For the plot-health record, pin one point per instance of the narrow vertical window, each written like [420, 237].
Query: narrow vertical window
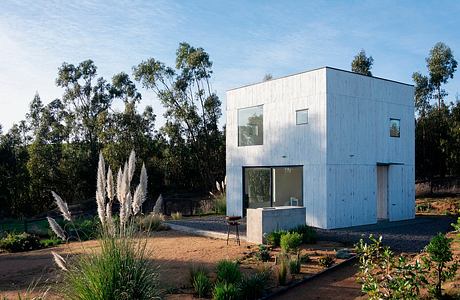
[301, 116]
[395, 128]
[250, 126]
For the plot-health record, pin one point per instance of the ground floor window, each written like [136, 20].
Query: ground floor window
[272, 186]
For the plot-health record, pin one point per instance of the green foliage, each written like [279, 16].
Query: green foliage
[201, 284]
[225, 291]
[252, 287]
[362, 64]
[228, 271]
[294, 266]
[290, 242]
[51, 242]
[194, 271]
[326, 261]
[439, 257]
[384, 275]
[20, 242]
[305, 258]
[151, 222]
[176, 216]
[274, 237]
[282, 271]
[307, 232]
[120, 269]
[263, 254]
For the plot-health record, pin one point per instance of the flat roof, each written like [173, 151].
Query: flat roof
[325, 67]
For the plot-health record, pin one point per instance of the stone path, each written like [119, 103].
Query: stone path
[408, 236]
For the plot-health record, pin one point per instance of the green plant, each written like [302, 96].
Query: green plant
[282, 272]
[51, 242]
[305, 259]
[201, 284]
[228, 271]
[219, 197]
[326, 261]
[252, 287]
[307, 232]
[439, 256]
[225, 291]
[274, 237]
[294, 266]
[176, 216]
[152, 222]
[384, 275]
[263, 254]
[20, 242]
[290, 242]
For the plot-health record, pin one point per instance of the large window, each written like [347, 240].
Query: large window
[251, 126]
[395, 128]
[272, 186]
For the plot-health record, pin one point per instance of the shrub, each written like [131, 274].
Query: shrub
[152, 222]
[252, 287]
[439, 255]
[385, 276]
[20, 242]
[176, 216]
[219, 197]
[51, 242]
[294, 266]
[290, 242]
[228, 271]
[86, 229]
[263, 254]
[282, 272]
[308, 233]
[225, 291]
[305, 259]
[326, 261]
[274, 237]
[194, 271]
[201, 284]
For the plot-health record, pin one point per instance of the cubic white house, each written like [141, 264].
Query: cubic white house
[338, 143]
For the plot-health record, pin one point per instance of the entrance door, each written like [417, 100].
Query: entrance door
[382, 192]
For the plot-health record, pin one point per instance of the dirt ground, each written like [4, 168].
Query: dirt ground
[174, 252]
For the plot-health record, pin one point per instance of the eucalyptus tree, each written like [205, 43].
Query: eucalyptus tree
[362, 64]
[192, 113]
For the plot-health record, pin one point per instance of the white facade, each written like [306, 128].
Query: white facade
[341, 150]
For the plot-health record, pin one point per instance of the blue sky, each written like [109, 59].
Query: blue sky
[245, 39]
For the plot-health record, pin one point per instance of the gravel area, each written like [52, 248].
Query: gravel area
[406, 236]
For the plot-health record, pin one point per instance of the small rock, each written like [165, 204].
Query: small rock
[343, 254]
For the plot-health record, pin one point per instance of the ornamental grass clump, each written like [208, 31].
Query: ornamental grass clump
[120, 269]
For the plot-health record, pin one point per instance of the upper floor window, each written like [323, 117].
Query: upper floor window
[301, 116]
[394, 128]
[251, 126]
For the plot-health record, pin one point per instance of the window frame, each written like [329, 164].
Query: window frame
[296, 116]
[399, 127]
[238, 124]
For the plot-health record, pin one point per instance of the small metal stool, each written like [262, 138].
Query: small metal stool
[233, 221]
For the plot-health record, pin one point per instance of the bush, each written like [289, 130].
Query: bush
[252, 287]
[152, 222]
[194, 271]
[263, 254]
[326, 261]
[290, 242]
[87, 229]
[20, 242]
[225, 291]
[51, 242]
[439, 255]
[176, 216]
[282, 272]
[201, 284]
[221, 204]
[294, 266]
[228, 271]
[274, 237]
[305, 259]
[308, 233]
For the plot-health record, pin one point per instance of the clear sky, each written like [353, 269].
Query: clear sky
[245, 39]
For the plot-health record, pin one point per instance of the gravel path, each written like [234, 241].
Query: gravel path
[407, 236]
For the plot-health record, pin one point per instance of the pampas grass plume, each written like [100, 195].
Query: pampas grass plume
[62, 206]
[56, 228]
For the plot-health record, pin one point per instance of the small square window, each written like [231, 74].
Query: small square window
[394, 128]
[301, 116]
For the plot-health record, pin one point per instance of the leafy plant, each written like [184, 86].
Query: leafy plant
[201, 284]
[294, 266]
[176, 216]
[290, 242]
[274, 237]
[305, 259]
[51, 242]
[263, 254]
[228, 271]
[383, 275]
[439, 256]
[252, 287]
[326, 261]
[20, 242]
[195, 270]
[225, 291]
[307, 232]
[282, 272]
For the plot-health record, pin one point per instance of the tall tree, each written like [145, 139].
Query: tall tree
[441, 66]
[362, 64]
